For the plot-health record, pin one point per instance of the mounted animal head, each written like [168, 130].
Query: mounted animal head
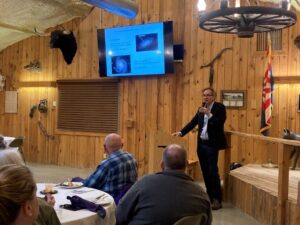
[290, 135]
[66, 42]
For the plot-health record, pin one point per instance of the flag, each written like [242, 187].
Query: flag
[266, 109]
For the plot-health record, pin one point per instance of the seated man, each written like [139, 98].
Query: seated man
[164, 197]
[115, 172]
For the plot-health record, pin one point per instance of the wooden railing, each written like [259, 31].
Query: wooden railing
[284, 150]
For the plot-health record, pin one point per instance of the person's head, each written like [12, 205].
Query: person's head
[18, 201]
[209, 95]
[174, 158]
[112, 143]
[10, 157]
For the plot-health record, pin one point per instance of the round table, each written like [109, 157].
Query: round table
[83, 216]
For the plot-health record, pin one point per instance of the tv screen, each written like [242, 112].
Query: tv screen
[137, 50]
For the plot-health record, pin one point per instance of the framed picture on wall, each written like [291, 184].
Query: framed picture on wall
[233, 99]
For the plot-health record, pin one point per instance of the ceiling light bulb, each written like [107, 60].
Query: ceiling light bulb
[201, 5]
[237, 3]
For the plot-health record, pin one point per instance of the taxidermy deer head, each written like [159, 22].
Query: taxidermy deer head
[66, 42]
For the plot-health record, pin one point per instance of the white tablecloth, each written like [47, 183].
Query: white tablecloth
[83, 216]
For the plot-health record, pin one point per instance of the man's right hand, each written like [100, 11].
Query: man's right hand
[177, 134]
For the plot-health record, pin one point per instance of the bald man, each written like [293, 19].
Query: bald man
[163, 198]
[117, 171]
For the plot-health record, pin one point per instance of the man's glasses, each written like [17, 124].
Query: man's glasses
[208, 95]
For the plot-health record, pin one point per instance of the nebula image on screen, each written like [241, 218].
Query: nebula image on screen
[146, 42]
[121, 64]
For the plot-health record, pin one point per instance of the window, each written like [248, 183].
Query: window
[88, 105]
[262, 40]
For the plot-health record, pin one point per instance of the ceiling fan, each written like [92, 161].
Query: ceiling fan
[125, 8]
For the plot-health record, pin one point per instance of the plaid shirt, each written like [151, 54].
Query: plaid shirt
[113, 173]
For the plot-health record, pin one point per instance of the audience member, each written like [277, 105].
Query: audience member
[18, 201]
[47, 215]
[163, 198]
[117, 171]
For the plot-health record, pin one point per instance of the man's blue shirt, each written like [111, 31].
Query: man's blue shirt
[113, 173]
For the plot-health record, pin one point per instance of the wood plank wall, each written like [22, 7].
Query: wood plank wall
[151, 103]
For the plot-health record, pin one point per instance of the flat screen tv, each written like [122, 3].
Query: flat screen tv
[137, 50]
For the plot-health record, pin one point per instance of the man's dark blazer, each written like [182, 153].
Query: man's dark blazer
[215, 126]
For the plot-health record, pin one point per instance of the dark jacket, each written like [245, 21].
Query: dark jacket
[215, 126]
[162, 199]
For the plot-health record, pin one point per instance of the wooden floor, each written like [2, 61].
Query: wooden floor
[254, 189]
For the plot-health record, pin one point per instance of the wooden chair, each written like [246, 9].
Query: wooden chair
[18, 143]
[199, 219]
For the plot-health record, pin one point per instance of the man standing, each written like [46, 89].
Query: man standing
[210, 119]
[164, 197]
[117, 171]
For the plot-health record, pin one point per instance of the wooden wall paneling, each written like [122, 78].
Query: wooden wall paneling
[292, 52]
[74, 68]
[83, 48]
[95, 24]
[42, 118]
[228, 77]
[141, 125]
[124, 111]
[233, 113]
[193, 73]
[38, 92]
[252, 103]
[12, 71]
[51, 121]
[297, 52]
[242, 115]
[98, 151]
[132, 108]
[219, 83]
[64, 145]
[259, 148]
[151, 116]
[144, 11]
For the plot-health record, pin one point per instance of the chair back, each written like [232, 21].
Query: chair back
[199, 219]
[122, 193]
[18, 143]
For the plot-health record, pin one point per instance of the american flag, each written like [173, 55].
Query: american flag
[266, 109]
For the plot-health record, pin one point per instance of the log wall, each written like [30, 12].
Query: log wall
[150, 103]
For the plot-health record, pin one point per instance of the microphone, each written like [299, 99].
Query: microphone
[203, 105]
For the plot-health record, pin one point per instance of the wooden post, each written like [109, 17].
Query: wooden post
[283, 181]
[226, 169]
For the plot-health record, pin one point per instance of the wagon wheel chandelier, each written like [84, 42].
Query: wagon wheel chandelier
[246, 20]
